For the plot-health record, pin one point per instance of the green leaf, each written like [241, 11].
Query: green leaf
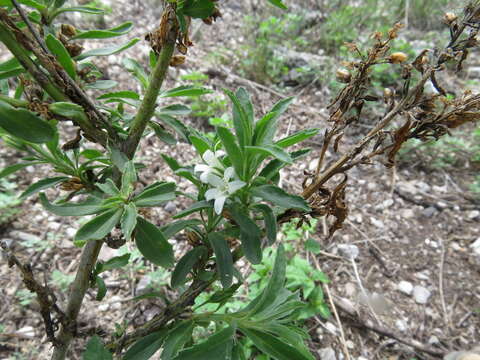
[297, 137]
[173, 228]
[155, 194]
[11, 73]
[200, 205]
[88, 207]
[129, 220]
[152, 244]
[103, 34]
[110, 50]
[25, 124]
[186, 264]
[62, 55]
[68, 110]
[41, 185]
[14, 168]
[266, 127]
[29, 3]
[58, 3]
[119, 159]
[270, 150]
[216, 347]
[120, 94]
[129, 177]
[176, 339]
[102, 85]
[162, 133]
[242, 119]
[10, 64]
[233, 150]
[96, 351]
[175, 110]
[186, 90]
[171, 162]
[313, 246]
[278, 3]
[200, 144]
[102, 288]
[270, 221]
[80, 9]
[199, 9]
[100, 226]
[175, 124]
[250, 234]
[280, 198]
[273, 346]
[109, 188]
[272, 169]
[113, 263]
[146, 347]
[137, 70]
[223, 258]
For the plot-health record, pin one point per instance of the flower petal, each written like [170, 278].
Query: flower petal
[201, 168]
[215, 180]
[212, 194]
[208, 156]
[228, 174]
[235, 185]
[219, 202]
[204, 176]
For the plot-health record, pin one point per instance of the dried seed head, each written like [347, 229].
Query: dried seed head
[449, 17]
[398, 58]
[387, 93]
[343, 75]
[68, 30]
[177, 60]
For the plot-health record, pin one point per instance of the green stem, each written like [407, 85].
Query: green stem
[149, 103]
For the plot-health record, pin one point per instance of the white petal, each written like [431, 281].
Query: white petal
[235, 185]
[219, 202]
[212, 194]
[219, 153]
[209, 158]
[201, 168]
[215, 180]
[228, 174]
[204, 177]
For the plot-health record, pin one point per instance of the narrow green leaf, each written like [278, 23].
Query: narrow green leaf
[11, 73]
[120, 94]
[200, 144]
[29, 3]
[80, 9]
[129, 177]
[280, 198]
[223, 258]
[62, 55]
[129, 220]
[155, 194]
[216, 347]
[100, 226]
[175, 110]
[88, 207]
[179, 127]
[96, 351]
[14, 168]
[241, 121]
[274, 346]
[186, 264]
[162, 133]
[111, 50]
[278, 3]
[270, 221]
[103, 34]
[109, 188]
[137, 70]
[186, 90]
[173, 228]
[10, 64]
[270, 150]
[266, 127]
[250, 234]
[199, 9]
[176, 339]
[102, 85]
[25, 124]
[152, 244]
[119, 159]
[146, 347]
[171, 162]
[114, 263]
[297, 137]
[41, 185]
[200, 205]
[68, 110]
[271, 170]
[102, 288]
[233, 150]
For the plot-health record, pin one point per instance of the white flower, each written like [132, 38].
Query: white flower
[222, 188]
[213, 166]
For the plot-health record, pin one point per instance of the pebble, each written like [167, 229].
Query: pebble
[421, 294]
[23, 236]
[103, 307]
[401, 325]
[475, 246]
[170, 207]
[331, 328]
[54, 225]
[71, 232]
[143, 285]
[429, 211]
[27, 331]
[405, 287]
[348, 251]
[377, 223]
[327, 354]
[116, 303]
[474, 215]
[407, 213]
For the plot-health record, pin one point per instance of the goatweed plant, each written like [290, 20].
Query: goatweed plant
[237, 203]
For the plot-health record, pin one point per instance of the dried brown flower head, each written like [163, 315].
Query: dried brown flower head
[397, 58]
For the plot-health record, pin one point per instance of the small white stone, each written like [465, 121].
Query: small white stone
[27, 331]
[348, 251]
[103, 307]
[331, 328]
[401, 325]
[377, 223]
[421, 294]
[474, 215]
[405, 287]
[327, 354]
[408, 213]
[476, 247]
[71, 232]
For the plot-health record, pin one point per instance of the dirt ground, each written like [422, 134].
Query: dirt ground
[413, 227]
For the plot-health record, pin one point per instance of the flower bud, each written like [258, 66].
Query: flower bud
[343, 75]
[397, 58]
[449, 17]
